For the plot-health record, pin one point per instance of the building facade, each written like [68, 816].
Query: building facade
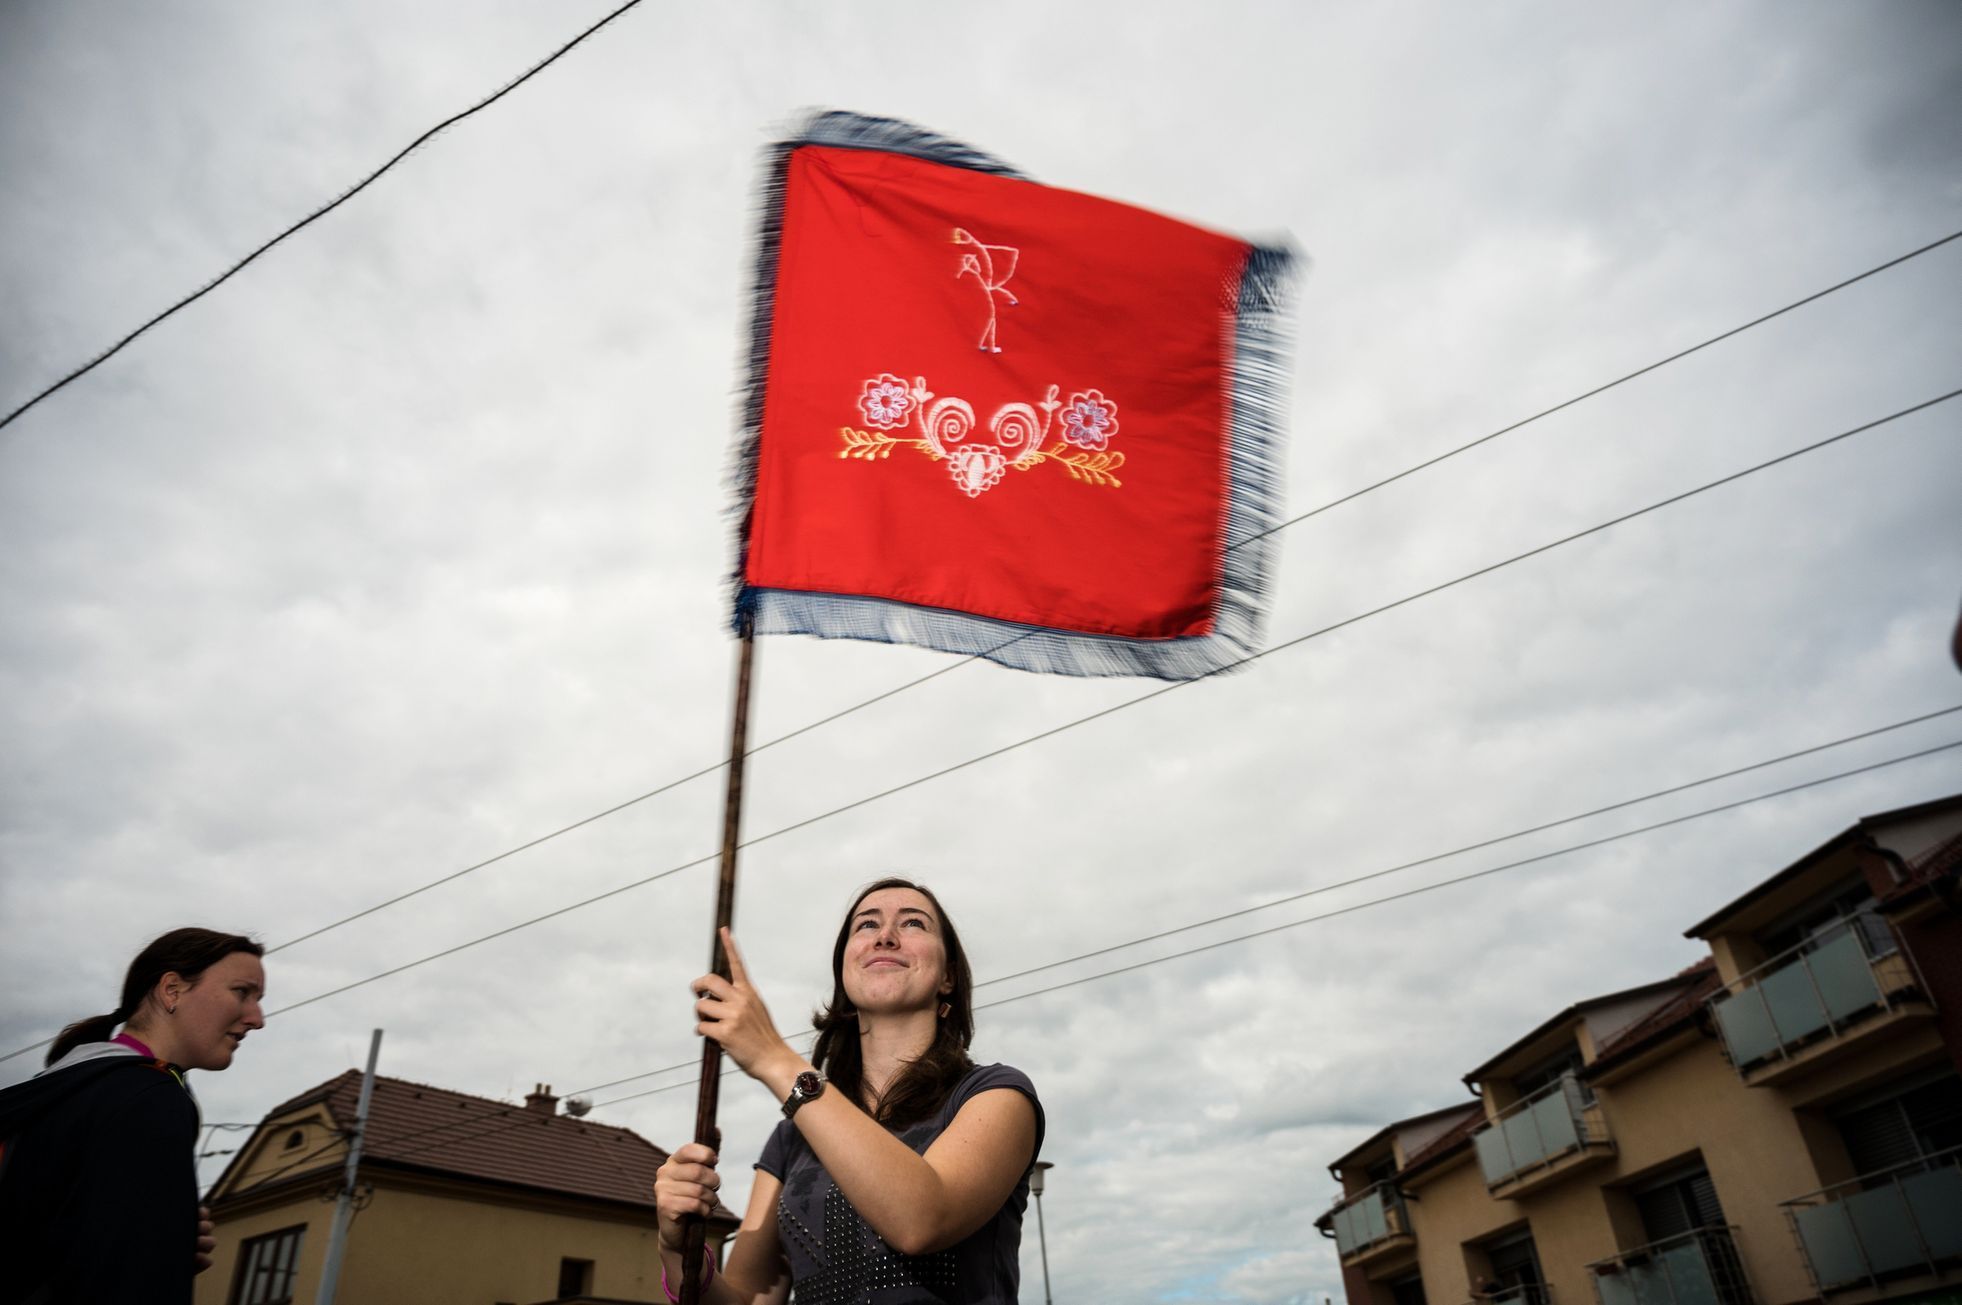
[1781, 1121]
[461, 1200]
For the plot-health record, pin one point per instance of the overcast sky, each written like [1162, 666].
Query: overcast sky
[406, 547]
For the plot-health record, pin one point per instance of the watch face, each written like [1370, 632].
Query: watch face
[807, 1084]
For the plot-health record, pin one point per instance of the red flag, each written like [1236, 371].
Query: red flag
[992, 416]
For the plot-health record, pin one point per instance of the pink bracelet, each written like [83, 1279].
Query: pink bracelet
[708, 1276]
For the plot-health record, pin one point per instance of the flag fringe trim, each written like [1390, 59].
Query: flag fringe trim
[1257, 388]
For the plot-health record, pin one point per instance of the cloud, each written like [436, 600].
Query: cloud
[406, 547]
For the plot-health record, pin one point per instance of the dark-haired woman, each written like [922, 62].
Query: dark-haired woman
[98, 1176]
[900, 1172]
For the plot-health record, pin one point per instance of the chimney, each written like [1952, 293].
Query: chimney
[542, 1100]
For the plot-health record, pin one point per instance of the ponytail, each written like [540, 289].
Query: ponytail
[96, 1028]
[186, 952]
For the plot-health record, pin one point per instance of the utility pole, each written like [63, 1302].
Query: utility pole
[1035, 1189]
[330, 1273]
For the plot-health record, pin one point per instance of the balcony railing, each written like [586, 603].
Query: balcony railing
[1369, 1219]
[1537, 1130]
[1812, 990]
[1699, 1267]
[1524, 1293]
[1903, 1220]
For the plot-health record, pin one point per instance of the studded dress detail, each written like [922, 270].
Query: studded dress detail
[837, 1259]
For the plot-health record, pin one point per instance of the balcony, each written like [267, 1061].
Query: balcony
[1699, 1267]
[1372, 1227]
[1804, 1006]
[1899, 1222]
[1542, 1138]
[1524, 1293]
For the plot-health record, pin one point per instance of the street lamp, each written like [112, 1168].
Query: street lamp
[1042, 1233]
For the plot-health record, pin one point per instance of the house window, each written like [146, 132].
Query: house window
[1407, 1290]
[295, 1139]
[1680, 1203]
[1818, 924]
[575, 1278]
[1910, 1124]
[1515, 1278]
[266, 1268]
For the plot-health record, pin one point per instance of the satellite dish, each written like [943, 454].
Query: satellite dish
[577, 1107]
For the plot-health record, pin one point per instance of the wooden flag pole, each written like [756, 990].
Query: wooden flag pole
[694, 1228]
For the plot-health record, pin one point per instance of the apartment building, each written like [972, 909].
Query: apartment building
[1781, 1121]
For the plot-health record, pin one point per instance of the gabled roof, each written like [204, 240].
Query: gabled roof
[1671, 1015]
[1846, 837]
[1455, 1139]
[417, 1127]
[1942, 861]
[1568, 1016]
[1390, 1130]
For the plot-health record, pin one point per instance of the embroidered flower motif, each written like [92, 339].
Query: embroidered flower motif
[976, 467]
[1089, 420]
[885, 401]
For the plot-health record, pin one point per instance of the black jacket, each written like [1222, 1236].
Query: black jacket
[98, 1186]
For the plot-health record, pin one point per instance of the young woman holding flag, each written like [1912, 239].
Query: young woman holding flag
[901, 1167]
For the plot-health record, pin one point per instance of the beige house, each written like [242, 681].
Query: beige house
[460, 1199]
[1780, 1122]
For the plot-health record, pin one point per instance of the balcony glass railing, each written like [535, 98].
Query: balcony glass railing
[1536, 1131]
[1363, 1221]
[1812, 989]
[1899, 1221]
[1699, 1267]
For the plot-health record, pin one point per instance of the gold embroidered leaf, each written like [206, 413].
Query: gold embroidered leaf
[1095, 468]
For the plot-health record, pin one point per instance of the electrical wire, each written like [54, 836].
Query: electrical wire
[315, 216]
[518, 1117]
[1115, 708]
[976, 657]
[1384, 873]
[1396, 897]
[1125, 705]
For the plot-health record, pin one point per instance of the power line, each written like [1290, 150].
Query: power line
[1115, 708]
[1603, 389]
[316, 215]
[517, 1118]
[1392, 870]
[1476, 874]
[1139, 700]
[1007, 643]
[1394, 897]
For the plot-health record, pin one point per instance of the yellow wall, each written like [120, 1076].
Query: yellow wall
[437, 1246]
[1749, 1140]
[1451, 1210]
[496, 1252]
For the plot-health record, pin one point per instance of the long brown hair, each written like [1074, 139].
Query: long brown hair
[188, 952]
[924, 1085]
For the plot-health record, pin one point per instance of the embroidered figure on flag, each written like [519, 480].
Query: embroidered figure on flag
[1147, 364]
[991, 265]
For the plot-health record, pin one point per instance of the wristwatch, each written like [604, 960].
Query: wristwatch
[807, 1086]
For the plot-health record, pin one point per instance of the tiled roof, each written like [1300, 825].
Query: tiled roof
[1446, 1142]
[432, 1128]
[1937, 862]
[1677, 1010]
